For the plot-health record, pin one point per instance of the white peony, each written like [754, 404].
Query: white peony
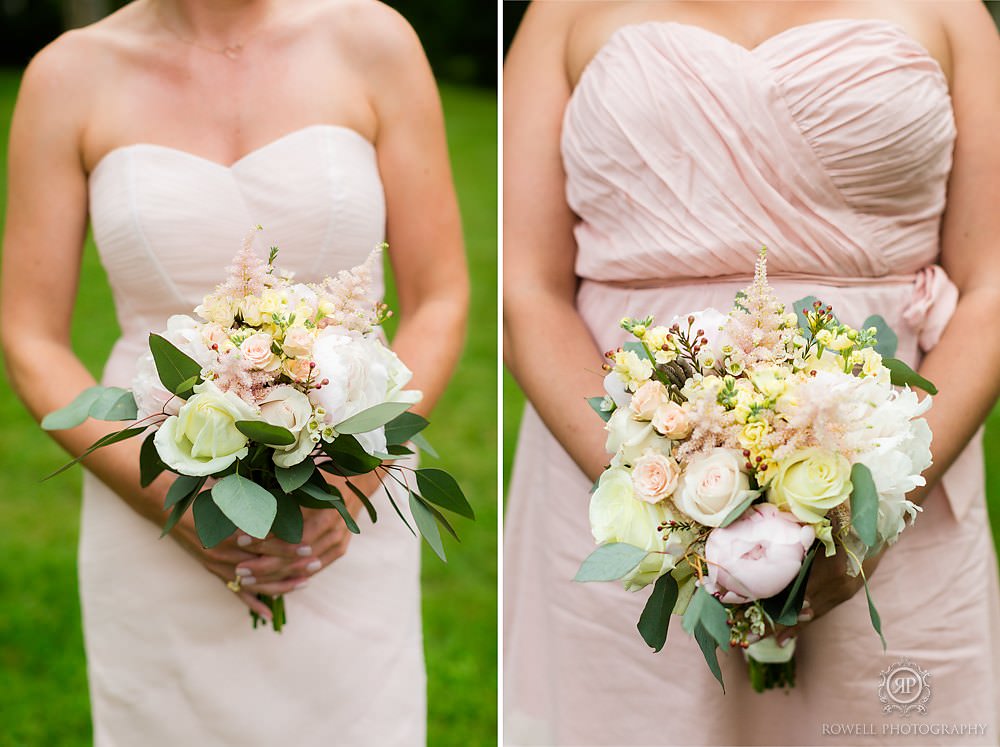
[616, 515]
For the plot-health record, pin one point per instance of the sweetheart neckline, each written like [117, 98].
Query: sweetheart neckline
[899, 30]
[235, 164]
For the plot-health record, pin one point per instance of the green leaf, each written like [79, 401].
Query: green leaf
[249, 506]
[372, 418]
[902, 375]
[211, 524]
[887, 339]
[114, 403]
[349, 456]
[427, 525]
[596, 405]
[292, 478]
[345, 514]
[872, 612]
[372, 513]
[392, 502]
[185, 387]
[176, 513]
[864, 504]
[440, 488]
[150, 465]
[655, 618]
[634, 346]
[402, 428]
[796, 592]
[713, 618]
[442, 521]
[610, 562]
[707, 644]
[74, 413]
[265, 433]
[288, 520]
[398, 450]
[172, 366]
[181, 488]
[691, 616]
[111, 438]
[423, 444]
[738, 511]
[321, 494]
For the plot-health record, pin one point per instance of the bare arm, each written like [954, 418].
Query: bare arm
[541, 323]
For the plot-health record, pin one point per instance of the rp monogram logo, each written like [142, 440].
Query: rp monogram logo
[903, 688]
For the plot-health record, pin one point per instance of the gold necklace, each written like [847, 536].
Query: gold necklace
[229, 51]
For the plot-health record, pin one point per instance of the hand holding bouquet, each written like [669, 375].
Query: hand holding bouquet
[275, 383]
[742, 445]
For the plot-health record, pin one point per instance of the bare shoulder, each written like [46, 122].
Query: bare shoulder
[972, 38]
[368, 32]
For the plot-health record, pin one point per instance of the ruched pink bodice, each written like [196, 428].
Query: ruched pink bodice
[171, 656]
[831, 144]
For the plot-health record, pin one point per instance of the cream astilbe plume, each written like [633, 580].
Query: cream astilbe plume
[758, 327]
[345, 300]
[247, 276]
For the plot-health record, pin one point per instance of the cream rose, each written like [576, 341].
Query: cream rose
[712, 485]
[256, 350]
[672, 421]
[202, 438]
[647, 399]
[654, 477]
[287, 407]
[616, 516]
[811, 482]
[629, 439]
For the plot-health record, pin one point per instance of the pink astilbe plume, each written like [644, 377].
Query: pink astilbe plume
[714, 426]
[233, 373]
[247, 276]
[757, 326]
[346, 299]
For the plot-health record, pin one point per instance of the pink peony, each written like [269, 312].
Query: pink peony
[757, 555]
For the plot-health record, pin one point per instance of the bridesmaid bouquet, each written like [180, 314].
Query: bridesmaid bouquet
[274, 384]
[742, 445]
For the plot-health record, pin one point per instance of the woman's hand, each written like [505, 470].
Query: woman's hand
[278, 567]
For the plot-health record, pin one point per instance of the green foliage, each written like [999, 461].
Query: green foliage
[178, 372]
[265, 433]
[902, 375]
[249, 506]
[372, 418]
[655, 618]
[610, 562]
[864, 504]
[888, 341]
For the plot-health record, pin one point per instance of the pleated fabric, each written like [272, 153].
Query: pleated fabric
[831, 144]
[172, 658]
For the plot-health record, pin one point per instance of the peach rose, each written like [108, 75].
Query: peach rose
[671, 421]
[298, 342]
[647, 399]
[297, 369]
[654, 477]
[256, 350]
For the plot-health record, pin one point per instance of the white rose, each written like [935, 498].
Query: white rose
[647, 399]
[616, 516]
[256, 350]
[810, 482]
[287, 407]
[712, 485]
[629, 439]
[654, 477]
[615, 388]
[202, 438]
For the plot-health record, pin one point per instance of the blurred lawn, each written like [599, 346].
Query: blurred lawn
[42, 667]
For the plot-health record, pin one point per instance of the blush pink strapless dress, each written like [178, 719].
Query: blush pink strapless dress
[172, 659]
[831, 144]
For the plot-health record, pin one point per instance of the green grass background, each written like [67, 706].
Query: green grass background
[42, 668]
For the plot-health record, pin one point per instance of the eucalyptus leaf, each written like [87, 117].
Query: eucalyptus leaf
[176, 513]
[150, 465]
[714, 619]
[438, 487]
[372, 513]
[74, 413]
[249, 506]
[421, 442]
[708, 645]
[349, 456]
[172, 366]
[610, 562]
[345, 514]
[596, 404]
[403, 427]
[114, 403]
[181, 488]
[739, 510]
[211, 524]
[902, 375]
[796, 592]
[887, 339]
[693, 612]
[427, 525]
[392, 502]
[292, 478]
[111, 438]
[873, 613]
[288, 520]
[864, 504]
[185, 388]
[655, 618]
[442, 521]
[265, 433]
[398, 450]
[372, 418]
[321, 494]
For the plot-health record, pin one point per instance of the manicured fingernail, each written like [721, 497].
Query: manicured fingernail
[300, 585]
[243, 571]
[243, 540]
[249, 581]
[314, 566]
[305, 551]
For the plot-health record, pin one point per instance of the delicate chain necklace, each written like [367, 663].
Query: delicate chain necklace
[229, 51]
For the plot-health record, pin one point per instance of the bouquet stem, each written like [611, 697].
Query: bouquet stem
[277, 607]
[771, 675]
